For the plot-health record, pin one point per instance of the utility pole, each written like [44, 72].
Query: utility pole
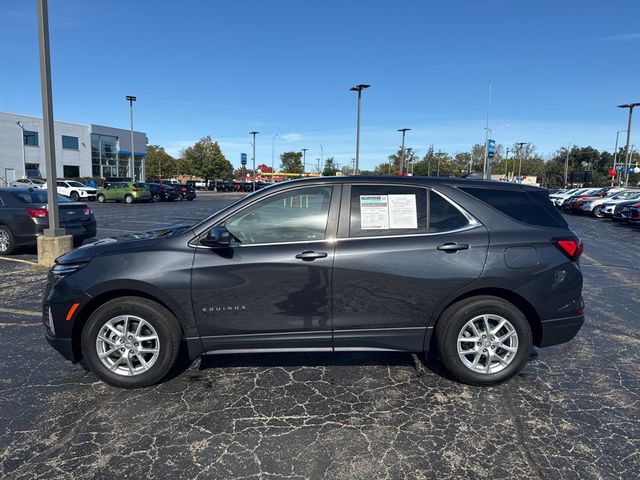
[402, 161]
[253, 172]
[520, 145]
[566, 166]
[24, 161]
[273, 149]
[627, 162]
[132, 99]
[358, 88]
[506, 165]
[615, 158]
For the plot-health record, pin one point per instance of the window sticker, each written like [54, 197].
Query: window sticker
[403, 212]
[374, 212]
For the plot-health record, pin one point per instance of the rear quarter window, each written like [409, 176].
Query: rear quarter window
[530, 207]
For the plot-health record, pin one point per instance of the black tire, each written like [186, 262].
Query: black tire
[101, 198]
[165, 324]
[451, 323]
[74, 196]
[190, 199]
[128, 198]
[77, 242]
[7, 242]
[156, 197]
[597, 212]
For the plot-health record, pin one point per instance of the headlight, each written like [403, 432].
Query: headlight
[50, 322]
[62, 270]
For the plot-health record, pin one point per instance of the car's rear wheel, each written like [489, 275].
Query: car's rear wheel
[101, 198]
[128, 198]
[7, 242]
[131, 342]
[156, 197]
[597, 212]
[483, 340]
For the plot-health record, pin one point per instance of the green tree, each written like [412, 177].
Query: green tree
[392, 166]
[330, 169]
[159, 164]
[291, 162]
[207, 160]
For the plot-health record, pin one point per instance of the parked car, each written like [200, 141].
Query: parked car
[594, 206]
[75, 190]
[609, 208]
[29, 183]
[124, 191]
[558, 200]
[24, 216]
[109, 180]
[185, 192]
[631, 213]
[484, 270]
[162, 193]
[572, 204]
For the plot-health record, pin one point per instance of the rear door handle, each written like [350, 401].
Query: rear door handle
[453, 247]
[310, 255]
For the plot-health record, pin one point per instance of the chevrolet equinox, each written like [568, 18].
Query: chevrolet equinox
[479, 270]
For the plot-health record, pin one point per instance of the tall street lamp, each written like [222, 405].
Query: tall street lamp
[253, 172]
[615, 155]
[627, 162]
[404, 131]
[273, 149]
[131, 99]
[304, 159]
[24, 164]
[358, 88]
[520, 145]
[506, 165]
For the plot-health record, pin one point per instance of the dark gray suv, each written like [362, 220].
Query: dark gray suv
[479, 270]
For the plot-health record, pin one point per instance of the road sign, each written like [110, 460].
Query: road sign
[491, 148]
[243, 158]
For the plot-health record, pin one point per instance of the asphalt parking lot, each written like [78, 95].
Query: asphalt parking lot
[573, 412]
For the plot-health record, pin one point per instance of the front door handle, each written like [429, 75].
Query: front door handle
[309, 255]
[453, 247]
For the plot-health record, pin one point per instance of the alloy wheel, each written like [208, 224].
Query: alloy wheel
[5, 241]
[487, 344]
[128, 345]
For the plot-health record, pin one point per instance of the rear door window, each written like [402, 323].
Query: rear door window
[443, 215]
[530, 207]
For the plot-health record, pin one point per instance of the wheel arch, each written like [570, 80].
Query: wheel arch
[518, 301]
[96, 302]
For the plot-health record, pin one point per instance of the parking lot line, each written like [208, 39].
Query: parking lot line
[15, 311]
[19, 260]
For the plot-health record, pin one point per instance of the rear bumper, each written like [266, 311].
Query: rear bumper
[560, 330]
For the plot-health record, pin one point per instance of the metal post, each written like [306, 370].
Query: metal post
[253, 172]
[54, 229]
[273, 150]
[24, 161]
[402, 160]
[519, 145]
[438, 163]
[628, 157]
[506, 166]
[566, 166]
[615, 159]
[358, 88]
[304, 159]
[321, 155]
[486, 136]
[131, 99]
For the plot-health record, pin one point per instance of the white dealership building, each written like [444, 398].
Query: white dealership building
[81, 150]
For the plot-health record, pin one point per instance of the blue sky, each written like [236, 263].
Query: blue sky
[559, 68]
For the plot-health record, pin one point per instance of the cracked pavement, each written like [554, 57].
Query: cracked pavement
[573, 412]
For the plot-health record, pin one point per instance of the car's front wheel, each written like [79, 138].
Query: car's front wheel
[101, 198]
[483, 340]
[75, 196]
[597, 212]
[131, 342]
[128, 198]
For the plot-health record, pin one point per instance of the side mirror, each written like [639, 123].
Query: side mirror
[217, 237]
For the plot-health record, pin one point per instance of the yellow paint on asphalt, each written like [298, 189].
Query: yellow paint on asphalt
[19, 260]
[15, 311]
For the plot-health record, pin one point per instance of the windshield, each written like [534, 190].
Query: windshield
[37, 181]
[76, 184]
[37, 196]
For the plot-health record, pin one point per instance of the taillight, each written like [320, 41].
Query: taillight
[571, 248]
[37, 212]
[86, 211]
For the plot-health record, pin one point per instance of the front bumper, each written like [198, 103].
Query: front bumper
[62, 345]
[560, 330]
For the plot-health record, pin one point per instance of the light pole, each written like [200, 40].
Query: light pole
[321, 155]
[615, 157]
[253, 171]
[358, 88]
[506, 165]
[520, 145]
[273, 150]
[131, 99]
[404, 131]
[566, 166]
[304, 159]
[54, 229]
[486, 135]
[627, 162]
[24, 164]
